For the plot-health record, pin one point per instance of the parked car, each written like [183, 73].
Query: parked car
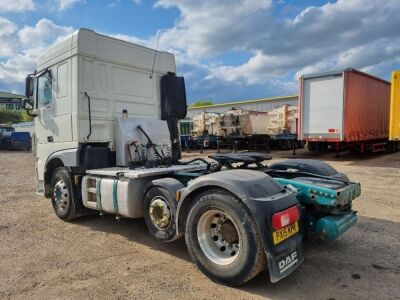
[6, 128]
[16, 141]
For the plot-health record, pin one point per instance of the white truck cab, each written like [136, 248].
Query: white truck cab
[81, 86]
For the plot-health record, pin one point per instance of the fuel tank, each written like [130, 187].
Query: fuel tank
[120, 196]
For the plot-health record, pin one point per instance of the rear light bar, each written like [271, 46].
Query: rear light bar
[285, 217]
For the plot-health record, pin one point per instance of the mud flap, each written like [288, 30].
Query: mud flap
[283, 265]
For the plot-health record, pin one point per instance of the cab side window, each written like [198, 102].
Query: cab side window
[44, 89]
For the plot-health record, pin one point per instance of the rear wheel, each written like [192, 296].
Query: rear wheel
[222, 239]
[159, 213]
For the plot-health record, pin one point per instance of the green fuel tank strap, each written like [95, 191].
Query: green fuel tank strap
[115, 196]
[98, 194]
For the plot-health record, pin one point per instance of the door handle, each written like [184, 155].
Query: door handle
[50, 139]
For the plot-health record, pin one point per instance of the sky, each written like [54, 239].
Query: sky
[227, 50]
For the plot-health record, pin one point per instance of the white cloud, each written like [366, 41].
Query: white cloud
[357, 33]
[343, 34]
[43, 33]
[20, 48]
[65, 4]
[7, 30]
[16, 5]
[371, 57]
[206, 28]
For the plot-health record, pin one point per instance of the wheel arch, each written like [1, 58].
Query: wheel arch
[233, 182]
[51, 165]
[172, 185]
[62, 158]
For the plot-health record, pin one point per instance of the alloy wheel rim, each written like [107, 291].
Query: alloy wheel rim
[218, 237]
[61, 195]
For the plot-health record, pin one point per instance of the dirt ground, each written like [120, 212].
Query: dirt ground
[43, 257]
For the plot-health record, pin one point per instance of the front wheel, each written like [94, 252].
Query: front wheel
[66, 204]
[222, 239]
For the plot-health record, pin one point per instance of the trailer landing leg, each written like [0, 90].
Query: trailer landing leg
[337, 149]
[294, 147]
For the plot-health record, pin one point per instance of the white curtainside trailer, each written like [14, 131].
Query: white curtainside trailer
[322, 107]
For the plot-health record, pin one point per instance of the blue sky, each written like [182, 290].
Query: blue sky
[226, 49]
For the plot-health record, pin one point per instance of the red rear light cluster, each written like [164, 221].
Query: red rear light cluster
[285, 217]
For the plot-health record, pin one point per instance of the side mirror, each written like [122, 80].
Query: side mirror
[29, 84]
[173, 97]
[27, 104]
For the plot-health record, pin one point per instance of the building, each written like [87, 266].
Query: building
[10, 101]
[262, 105]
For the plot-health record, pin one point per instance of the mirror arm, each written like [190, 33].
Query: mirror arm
[29, 113]
[29, 109]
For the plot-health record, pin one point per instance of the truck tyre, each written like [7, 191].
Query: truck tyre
[223, 240]
[159, 213]
[63, 196]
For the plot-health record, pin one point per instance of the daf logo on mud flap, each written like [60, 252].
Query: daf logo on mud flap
[287, 262]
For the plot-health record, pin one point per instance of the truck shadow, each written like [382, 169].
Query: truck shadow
[134, 230]
[353, 266]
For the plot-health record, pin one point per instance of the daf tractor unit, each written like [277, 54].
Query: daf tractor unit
[107, 140]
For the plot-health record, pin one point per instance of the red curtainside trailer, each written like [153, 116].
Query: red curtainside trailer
[343, 110]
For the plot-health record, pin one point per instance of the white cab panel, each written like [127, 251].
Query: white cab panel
[62, 103]
[126, 131]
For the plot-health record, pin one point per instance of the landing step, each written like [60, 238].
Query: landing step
[92, 190]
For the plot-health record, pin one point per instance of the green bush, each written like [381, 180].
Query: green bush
[25, 116]
[201, 103]
[10, 117]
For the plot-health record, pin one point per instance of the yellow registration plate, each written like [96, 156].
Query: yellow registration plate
[285, 232]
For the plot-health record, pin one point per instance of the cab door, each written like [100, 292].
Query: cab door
[62, 105]
[44, 122]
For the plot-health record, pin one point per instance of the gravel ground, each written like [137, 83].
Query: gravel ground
[98, 257]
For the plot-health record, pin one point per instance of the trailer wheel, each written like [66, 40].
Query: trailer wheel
[159, 213]
[63, 197]
[222, 239]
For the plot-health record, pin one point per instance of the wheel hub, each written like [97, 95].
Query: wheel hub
[218, 237]
[229, 233]
[61, 194]
[160, 213]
